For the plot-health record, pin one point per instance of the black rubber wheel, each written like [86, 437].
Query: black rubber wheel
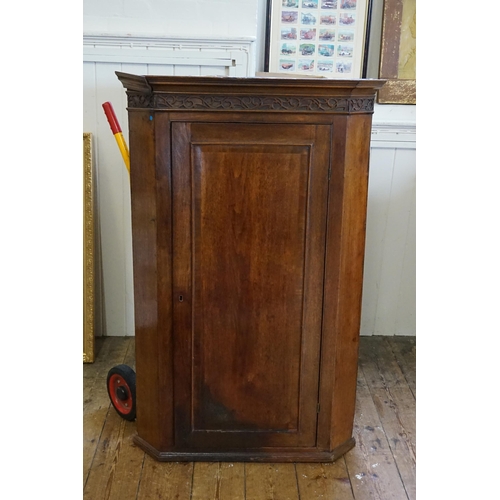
[121, 390]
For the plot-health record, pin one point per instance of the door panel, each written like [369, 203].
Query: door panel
[249, 232]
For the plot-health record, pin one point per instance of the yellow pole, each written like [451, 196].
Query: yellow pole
[120, 140]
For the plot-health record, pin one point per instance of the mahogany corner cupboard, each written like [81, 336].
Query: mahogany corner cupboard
[248, 222]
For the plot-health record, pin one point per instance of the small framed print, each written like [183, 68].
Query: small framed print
[321, 37]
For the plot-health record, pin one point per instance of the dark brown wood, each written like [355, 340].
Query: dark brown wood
[164, 275]
[150, 422]
[350, 272]
[162, 88]
[275, 454]
[249, 207]
[255, 290]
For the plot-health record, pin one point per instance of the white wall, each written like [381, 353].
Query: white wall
[389, 284]
[390, 260]
[171, 17]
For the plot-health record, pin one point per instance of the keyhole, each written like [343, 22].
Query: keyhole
[181, 298]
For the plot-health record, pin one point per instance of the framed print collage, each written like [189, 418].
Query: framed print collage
[317, 37]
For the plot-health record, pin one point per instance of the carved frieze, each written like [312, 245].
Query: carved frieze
[184, 102]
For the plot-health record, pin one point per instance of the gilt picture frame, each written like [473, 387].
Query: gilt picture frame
[398, 53]
[317, 38]
[88, 251]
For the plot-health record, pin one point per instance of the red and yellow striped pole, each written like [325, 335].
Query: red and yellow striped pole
[117, 132]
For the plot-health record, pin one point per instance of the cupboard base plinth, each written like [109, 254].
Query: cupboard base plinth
[271, 455]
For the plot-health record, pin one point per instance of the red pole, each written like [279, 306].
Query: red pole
[117, 132]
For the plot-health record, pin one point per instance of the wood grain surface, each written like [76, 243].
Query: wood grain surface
[248, 281]
[248, 221]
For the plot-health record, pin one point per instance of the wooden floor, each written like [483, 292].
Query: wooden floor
[380, 467]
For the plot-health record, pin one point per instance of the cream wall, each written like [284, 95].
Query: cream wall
[389, 284]
[171, 17]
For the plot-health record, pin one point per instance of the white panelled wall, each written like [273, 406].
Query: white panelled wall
[225, 37]
[389, 272]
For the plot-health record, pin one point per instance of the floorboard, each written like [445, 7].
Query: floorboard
[382, 465]
[165, 480]
[218, 481]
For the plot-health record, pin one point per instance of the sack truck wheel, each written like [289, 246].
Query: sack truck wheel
[121, 390]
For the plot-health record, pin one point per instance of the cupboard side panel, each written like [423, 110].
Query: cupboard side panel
[343, 278]
[350, 284]
[143, 199]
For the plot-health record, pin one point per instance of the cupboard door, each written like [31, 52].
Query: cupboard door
[249, 222]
